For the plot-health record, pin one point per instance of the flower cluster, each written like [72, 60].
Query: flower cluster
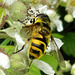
[21, 14]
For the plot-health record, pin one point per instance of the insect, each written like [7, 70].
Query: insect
[39, 33]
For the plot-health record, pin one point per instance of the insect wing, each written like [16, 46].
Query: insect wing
[58, 54]
[26, 31]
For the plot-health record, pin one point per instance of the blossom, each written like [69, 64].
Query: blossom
[50, 46]
[68, 66]
[68, 18]
[9, 2]
[1, 72]
[46, 68]
[73, 13]
[15, 27]
[4, 61]
[43, 64]
[70, 7]
[55, 21]
[73, 69]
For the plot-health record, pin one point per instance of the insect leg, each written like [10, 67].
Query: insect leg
[22, 47]
[30, 63]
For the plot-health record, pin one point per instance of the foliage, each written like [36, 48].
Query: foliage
[62, 20]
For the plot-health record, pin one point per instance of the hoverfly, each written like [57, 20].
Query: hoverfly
[39, 33]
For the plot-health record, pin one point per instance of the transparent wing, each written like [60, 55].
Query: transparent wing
[58, 54]
[27, 30]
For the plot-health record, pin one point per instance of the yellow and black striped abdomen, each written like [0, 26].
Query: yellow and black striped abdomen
[38, 47]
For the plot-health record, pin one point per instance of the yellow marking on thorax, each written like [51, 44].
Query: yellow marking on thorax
[38, 20]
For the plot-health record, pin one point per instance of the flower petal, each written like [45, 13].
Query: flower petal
[9, 2]
[59, 25]
[73, 13]
[10, 31]
[51, 46]
[1, 72]
[4, 61]
[58, 42]
[43, 9]
[19, 41]
[49, 12]
[46, 68]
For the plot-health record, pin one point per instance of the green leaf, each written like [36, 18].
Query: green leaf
[51, 60]
[69, 43]
[12, 72]
[1, 0]
[34, 71]
[63, 4]
[1, 10]
[6, 41]
[56, 35]
[8, 49]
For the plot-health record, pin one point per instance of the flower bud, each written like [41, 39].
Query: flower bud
[17, 10]
[17, 61]
[68, 66]
[68, 18]
[17, 65]
[73, 69]
[16, 57]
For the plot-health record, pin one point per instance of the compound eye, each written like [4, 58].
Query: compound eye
[32, 20]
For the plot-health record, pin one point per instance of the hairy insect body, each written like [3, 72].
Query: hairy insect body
[40, 39]
[38, 46]
[39, 32]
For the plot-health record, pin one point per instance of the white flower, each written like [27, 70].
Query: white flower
[49, 12]
[43, 9]
[1, 72]
[65, 1]
[38, 63]
[73, 66]
[70, 7]
[4, 61]
[59, 25]
[15, 28]
[9, 2]
[73, 13]
[19, 41]
[46, 68]
[51, 46]
[68, 66]
[73, 69]
[56, 22]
